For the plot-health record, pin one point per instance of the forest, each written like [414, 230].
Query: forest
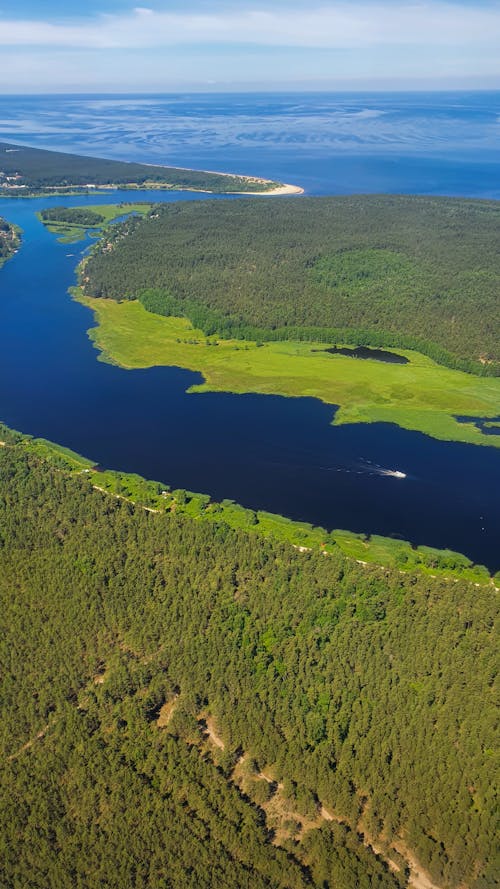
[38, 170]
[9, 240]
[187, 704]
[411, 272]
[75, 215]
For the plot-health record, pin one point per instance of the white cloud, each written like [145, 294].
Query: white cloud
[336, 26]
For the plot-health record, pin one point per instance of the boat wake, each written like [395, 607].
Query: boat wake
[394, 473]
[375, 469]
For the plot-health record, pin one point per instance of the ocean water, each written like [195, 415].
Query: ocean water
[330, 143]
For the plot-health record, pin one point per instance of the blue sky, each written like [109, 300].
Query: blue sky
[162, 45]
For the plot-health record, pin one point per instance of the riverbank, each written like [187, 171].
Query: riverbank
[69, 232]
[420, 395]
[371, 551]
[10, 240]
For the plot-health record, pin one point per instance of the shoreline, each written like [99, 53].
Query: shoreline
[370, 551]
[90, 189]
[154, 332]
[282, 188]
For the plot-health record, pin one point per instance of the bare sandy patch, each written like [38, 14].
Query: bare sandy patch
[166, 712]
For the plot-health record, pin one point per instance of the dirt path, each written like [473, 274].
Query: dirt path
[212, 734]
[277, 809]
[29, 744]
[418, 878]
[166, 712]
[127, 499]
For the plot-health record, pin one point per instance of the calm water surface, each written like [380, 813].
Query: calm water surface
[330, 143]
[367, 354]
[263, 451]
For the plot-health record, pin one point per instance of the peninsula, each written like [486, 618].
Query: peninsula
[253, 295]
[26, 171]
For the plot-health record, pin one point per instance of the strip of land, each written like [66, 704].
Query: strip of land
[30, 172]
[71, 224]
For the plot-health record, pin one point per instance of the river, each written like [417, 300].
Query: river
[265, 452]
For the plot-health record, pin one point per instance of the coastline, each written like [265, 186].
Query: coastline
[284, 189]
[89, 189]
[281, 188]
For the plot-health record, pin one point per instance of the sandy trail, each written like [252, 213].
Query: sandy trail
[38, 737]
[212, 734]
[418, 878]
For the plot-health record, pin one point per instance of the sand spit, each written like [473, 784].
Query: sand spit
[281, 189]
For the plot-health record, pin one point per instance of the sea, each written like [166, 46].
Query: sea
[329, 143]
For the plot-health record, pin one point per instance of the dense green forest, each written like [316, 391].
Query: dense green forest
[9, 240]
[24, 170]
[414, 272]
[186, 704]
[74, 215]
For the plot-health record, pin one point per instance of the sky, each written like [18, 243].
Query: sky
[165, 45]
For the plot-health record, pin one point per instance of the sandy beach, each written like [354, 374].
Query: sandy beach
[281, 189]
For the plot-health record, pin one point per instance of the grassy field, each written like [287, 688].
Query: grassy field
[70, 233]
[420, 395]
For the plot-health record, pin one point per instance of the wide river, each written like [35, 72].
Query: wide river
[265, 452]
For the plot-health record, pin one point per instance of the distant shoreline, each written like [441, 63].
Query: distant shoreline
[93, 188]
[281, 187]
[41, 171]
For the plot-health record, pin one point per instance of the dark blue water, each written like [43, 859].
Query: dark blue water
[262, 451]
[483, 424]
[367, 354]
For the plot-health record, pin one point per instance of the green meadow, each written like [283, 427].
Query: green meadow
[71, 232]
[421, 395]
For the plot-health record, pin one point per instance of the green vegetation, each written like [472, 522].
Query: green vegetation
[83, 216]
[25, 171]
[381, 551]
[157, 496]
[407, 272]
[9, 240]
[158, 672]
[72, 223]
[419, 395]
